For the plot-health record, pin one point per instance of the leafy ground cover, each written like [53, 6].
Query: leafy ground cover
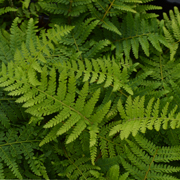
[89, 90]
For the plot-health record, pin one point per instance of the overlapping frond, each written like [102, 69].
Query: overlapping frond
[44, 96]
[101, 71]
[138, 32]
[163, 81]
[144, 160]
[171, 30]
[16, 144]
[80, 168]
[74, 82]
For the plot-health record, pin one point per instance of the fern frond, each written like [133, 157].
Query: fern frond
[43, 96]
[137, 32]
[15, 37]
[145, 160]
[17, 143]
[135, 118]
[7, 9]
[171, 30]
[100, 71]
[165, 78]
[79, 168]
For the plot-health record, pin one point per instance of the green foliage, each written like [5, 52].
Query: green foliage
[100, 69]
[144, 160]
[136, 117]
[24, 9]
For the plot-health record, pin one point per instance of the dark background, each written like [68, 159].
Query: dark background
[166, 5]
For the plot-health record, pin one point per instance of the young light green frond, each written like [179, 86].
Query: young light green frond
[113, 172]
[98, 116]
[93, 131]
[69, 123]
[97, 86]
[155, 114]
[89, 106]
[100, 71]
[62, 86]
[63, 115]
[80, 102]
[135, 120]
[93, 154]
[71, 90]
[52, 135]
[80, 126]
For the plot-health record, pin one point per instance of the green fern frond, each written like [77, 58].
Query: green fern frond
[144, 160]
[171, 30]
[165, 78]
[15, 37]
[100, 71]
[136, 118]
[79, 168]
[7, 9]
[44, 96]
[17, 143]
[137, 32]
[110, 26]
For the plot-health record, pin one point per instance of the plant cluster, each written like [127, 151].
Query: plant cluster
[91, 94]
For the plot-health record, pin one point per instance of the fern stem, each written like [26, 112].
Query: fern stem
[131, 37]
[108, 10]
[76, 45]
[74, 163]
[69, 10]
[65, 105]
[150, 165]
[20, 142]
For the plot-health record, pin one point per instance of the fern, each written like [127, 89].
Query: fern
[14, 147]
[171, 30]
[99, 69]
[80, 168]
[113, 173]
[136, 117]
[138, 32]
[147, 160]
